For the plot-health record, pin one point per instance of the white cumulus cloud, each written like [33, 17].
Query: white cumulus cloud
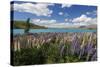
[66, 20]
[92, 13]
[43, 21]
[68, 23]
[83, 19]
[66, 5]
[38, 9]
[61, 13]
[53, 23]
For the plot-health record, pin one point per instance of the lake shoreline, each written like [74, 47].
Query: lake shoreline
[21, 31]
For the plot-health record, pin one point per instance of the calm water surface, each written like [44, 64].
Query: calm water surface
[21, 31]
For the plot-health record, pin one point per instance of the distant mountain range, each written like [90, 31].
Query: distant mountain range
[92, 26]
[23, 25]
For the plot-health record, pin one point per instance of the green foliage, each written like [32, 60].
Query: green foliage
[23, 25]
[46, 53]
[28, 56]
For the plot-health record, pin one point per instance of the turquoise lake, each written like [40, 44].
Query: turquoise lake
[21, 31]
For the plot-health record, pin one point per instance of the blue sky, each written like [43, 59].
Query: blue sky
[56, 15]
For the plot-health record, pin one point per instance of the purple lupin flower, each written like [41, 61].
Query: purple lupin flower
[62, 46]
[75, 47]
[94, 57]
[89, 48]
[72, 45]
[81, 52]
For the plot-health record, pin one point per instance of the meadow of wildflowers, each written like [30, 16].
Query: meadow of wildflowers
[50, 48]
